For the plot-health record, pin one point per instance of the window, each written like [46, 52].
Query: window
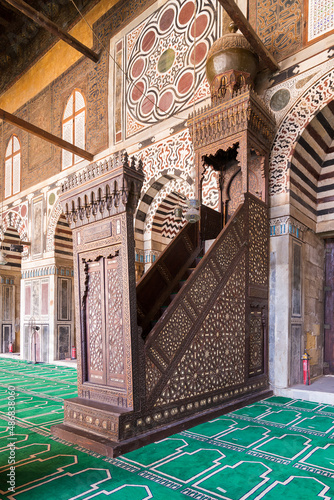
[320, 18]
[12, 166]
[74, 127]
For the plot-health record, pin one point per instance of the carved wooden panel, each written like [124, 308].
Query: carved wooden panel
[95, 323]
[235, 194]
[115, 347]
[258, 243]
[256, 335]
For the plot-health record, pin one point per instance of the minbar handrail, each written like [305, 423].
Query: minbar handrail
[160, 280]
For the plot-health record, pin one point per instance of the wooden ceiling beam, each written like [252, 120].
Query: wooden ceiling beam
[43, 134]
[251, 36]
[43, 21]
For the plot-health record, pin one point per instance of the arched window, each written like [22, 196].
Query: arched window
[12, 166]
[74, 126]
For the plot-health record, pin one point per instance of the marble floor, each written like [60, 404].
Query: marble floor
[321, 390]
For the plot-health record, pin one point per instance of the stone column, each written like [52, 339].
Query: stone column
[289, 310]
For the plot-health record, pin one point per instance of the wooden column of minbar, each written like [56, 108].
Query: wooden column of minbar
[99, 203]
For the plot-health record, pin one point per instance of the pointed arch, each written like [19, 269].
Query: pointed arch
[174, 186]
[14, 220]
[313, 100]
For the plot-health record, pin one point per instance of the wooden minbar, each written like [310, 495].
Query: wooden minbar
[201, 347]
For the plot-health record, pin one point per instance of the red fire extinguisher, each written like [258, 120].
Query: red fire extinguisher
[306, 368]
[74, 352]
[10, 347]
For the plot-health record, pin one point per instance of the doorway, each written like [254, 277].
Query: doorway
[329, 308]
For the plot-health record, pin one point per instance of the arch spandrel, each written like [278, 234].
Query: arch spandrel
[313, 100]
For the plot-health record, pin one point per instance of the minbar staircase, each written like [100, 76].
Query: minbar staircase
[207, 352]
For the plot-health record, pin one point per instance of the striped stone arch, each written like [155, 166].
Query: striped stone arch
[311, 170]
[164, 221]
[15, 221]
[176, 185]
[59, 234]
[153, 197]
[313, 100]
[52, 224]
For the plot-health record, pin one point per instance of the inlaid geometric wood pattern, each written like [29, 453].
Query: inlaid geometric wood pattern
[115, 323]
[63, 242]
[152, 375]
[201, 346]
[216, 357]
[227, 250]
[255, 343]
[95, 323]
[258, 244]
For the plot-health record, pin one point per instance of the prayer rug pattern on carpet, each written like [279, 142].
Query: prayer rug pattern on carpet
[277, 448]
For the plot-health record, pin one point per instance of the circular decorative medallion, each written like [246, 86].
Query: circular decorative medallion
[52, 199]
[166, 57]
[280, 99]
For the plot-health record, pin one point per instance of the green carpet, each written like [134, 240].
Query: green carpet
[276, 449]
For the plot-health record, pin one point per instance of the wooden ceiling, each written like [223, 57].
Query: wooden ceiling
[22, 40]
